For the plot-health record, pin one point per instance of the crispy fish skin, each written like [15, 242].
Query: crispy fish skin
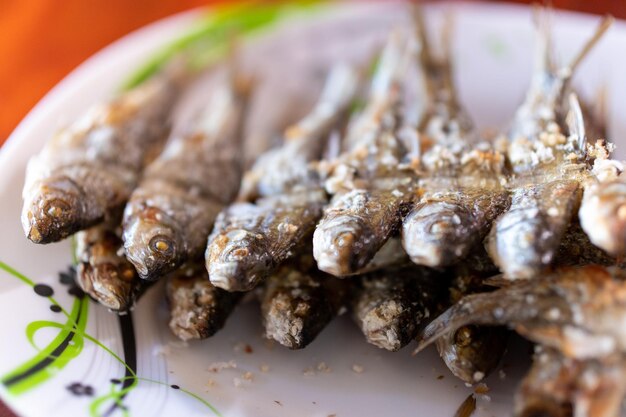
[197, 309]
[250, 240]
[88, 170]
[573, 310]
[169, 216]
[298, 302]
[103, 272]
[525, 239]
[389, 306]
[557, 386]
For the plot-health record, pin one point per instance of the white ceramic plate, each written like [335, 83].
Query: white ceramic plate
[48, 369]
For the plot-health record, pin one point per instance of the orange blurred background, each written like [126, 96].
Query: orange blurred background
[42, 40]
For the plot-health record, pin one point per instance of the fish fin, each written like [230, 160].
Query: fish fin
[333, 146]
[576, 122]
[543, 39]
[603, 26]
[493, 308]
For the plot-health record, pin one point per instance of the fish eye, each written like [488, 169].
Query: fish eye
[161, 245]
[463, 336]
[56, 208]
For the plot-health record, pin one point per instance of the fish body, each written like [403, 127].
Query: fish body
[370, 188]
[390, 306]
[250, 240]
[298, 301]
[460, 187]
[549, 164]
[472, 352]
[88, 170]
[197, 308]
[288, 166]
[447, 224]
[170, 214]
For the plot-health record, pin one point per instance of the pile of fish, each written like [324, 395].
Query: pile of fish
[420, 230]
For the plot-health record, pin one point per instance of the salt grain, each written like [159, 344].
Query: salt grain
[219, 366]
[358, 369]
[322, 367]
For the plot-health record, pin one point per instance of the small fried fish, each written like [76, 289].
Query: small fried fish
[370, 190]
[251, 238]
[460, 188]
[549, 168]
[88, 170]
[171, 213]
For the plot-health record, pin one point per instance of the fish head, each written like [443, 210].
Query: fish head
[152, 245]
[53, 209]
[112, 285]
[603, 216]
[473, 352]
[521, 242]
[437, 233]
[238, 260]
[341, 244]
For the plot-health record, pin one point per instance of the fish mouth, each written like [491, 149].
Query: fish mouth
[238, 260]
[339, 246]
[437, 234]
[54, 212]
